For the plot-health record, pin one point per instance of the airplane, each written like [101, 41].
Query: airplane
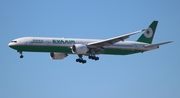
[60, 48]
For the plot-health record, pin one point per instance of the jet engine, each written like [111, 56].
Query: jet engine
[79, 49]
[57, 56]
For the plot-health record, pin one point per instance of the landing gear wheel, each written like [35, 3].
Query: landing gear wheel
[80, 59]
[97, 58]
[21, 56]
[77, 60]
[93, 57]
[84, 61]
[90, 57]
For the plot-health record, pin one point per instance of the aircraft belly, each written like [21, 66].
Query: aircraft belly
[43, 48]
[112, 50]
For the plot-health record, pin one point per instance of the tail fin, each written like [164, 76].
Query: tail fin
[147, 36]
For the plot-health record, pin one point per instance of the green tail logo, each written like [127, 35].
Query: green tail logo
[148, 35]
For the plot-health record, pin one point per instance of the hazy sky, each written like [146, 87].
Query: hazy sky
[153, 74]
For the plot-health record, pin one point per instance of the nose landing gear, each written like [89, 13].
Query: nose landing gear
[21, 56]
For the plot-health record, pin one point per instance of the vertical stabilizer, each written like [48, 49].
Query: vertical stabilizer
[147, 36]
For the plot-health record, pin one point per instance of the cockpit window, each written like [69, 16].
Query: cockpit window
[14, 41]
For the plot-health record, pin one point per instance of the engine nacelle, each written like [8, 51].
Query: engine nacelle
[79, 49]
[57, 56]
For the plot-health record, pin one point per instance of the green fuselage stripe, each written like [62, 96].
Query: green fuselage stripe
[67, 50]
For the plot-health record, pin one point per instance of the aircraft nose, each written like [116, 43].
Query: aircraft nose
[10, 44]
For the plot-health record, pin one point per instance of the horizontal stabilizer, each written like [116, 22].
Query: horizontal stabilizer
[158, 44]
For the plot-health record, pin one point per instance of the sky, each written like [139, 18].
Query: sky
[153, 74]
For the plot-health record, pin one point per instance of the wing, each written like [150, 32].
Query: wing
[111, 41]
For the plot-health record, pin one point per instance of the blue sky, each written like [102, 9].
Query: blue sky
[153, 74]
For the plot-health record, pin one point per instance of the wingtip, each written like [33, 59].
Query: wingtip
[170, 41]
[143, 30]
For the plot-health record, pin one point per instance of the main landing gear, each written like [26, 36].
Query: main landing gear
[21, 56]
[93, 57]
[80, 59]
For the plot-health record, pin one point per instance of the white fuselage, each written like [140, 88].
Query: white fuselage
[68, 42]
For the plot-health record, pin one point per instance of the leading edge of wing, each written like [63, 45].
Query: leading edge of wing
[113, 40]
